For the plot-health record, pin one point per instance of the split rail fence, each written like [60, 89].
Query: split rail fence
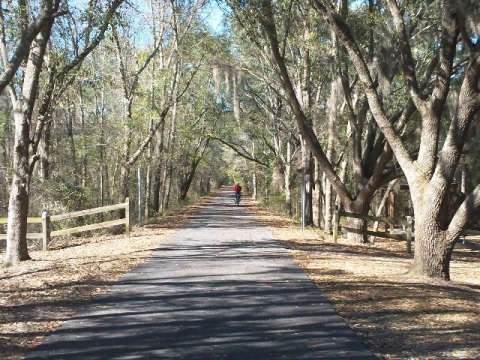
[46, 220]
[407, 223]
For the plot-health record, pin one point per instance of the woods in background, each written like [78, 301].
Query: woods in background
[351, 100]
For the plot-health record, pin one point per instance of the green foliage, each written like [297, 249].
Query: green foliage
[58, 197]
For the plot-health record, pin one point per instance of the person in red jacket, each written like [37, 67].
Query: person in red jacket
[238, 193]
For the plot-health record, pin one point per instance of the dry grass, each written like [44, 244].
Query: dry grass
[398, 316]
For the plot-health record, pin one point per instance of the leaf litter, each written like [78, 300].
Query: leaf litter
[398, 316]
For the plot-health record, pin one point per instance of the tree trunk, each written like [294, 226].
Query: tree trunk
[148, 190]
[168, 166]
[427, 262]
[332, 121]
[83, 162]
[71, 141]
[317, 206]
[254, 176]
[29, 33]
[254, 186]
[288, 181]
[44, 122]
[307, 165]
[185, 184]
[148, 177]
[23, 105]
[288, 191]
[201, 186]
[309, 194]
[44, 152]
[433, 245]
[127, 146]
[361, 207]
[19, 193]
[383, 201]
[103, 176]
[157, 173]
[125, 156]
[327, 204]
[167, 188]
[157, 186]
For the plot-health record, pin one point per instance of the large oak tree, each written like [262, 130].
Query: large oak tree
[453, 71]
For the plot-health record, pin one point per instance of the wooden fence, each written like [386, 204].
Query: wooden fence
[470, 232]
[46, 220]
[408, 224]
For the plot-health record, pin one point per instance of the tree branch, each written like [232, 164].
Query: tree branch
[339, 26]
[49, 11]
[239, 150]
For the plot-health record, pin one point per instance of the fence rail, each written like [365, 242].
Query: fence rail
[46, 220]
[30, 220]
[408, 223]
[470, 232]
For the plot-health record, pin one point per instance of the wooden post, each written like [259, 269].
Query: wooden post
[409, 234]
[127, 217]
[45, 229]
[335, 221]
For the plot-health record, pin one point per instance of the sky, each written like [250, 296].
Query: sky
[214, 17]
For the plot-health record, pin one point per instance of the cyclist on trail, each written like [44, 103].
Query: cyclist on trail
[238, 193]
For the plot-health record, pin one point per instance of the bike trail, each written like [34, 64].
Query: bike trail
[219, 288]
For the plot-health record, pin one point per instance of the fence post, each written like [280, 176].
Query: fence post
[335, 221]
[45, 229]
[127, 217]
[409, 234]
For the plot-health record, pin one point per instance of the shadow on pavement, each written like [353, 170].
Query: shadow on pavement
[221, 288]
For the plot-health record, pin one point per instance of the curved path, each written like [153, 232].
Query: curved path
[220, 288]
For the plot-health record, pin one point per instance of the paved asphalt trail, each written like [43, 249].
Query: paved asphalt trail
[220, 288]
